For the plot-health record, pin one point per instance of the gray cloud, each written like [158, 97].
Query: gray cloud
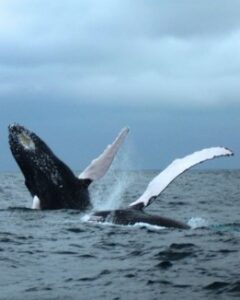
[130, 51]
[77, 71]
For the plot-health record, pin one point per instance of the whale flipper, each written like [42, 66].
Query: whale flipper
[99, 166]
[36, 203]
[176, 168]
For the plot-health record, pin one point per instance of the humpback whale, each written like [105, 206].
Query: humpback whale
[134, 213]
[52, 184]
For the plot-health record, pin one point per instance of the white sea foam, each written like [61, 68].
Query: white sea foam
[86, 218]
[197, 222]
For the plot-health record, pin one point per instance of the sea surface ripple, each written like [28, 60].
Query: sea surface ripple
[57, 255]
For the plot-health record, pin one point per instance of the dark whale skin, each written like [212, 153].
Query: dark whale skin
[46, 176]
[131, 216]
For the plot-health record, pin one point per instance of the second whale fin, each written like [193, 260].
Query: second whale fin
[176, 168]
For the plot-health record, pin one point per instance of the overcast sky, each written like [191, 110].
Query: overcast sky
[77, 71]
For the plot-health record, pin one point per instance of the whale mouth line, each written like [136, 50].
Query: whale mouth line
[26, 141]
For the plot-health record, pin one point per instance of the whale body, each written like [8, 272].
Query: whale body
[134, 215]
[52, 184]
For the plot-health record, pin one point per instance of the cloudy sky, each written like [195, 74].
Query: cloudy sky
[77, 71]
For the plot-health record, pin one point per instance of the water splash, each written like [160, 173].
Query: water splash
[110, 192]
[197, 222]
[85, 218]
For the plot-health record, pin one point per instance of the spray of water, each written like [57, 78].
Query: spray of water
[197, 222]
[109, 193]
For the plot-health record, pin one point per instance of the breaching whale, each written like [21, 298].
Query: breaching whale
[53, 185]
[50, 181]
[134, 213]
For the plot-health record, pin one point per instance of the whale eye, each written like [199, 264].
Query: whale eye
[26, 141]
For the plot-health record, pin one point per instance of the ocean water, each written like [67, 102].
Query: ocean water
[58, 255]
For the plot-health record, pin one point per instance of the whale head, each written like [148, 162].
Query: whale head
[31, 153]
[46, 176]
[22, 140]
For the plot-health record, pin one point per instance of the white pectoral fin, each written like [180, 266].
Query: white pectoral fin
[36, 203]
[99, 166]
[176, 168]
